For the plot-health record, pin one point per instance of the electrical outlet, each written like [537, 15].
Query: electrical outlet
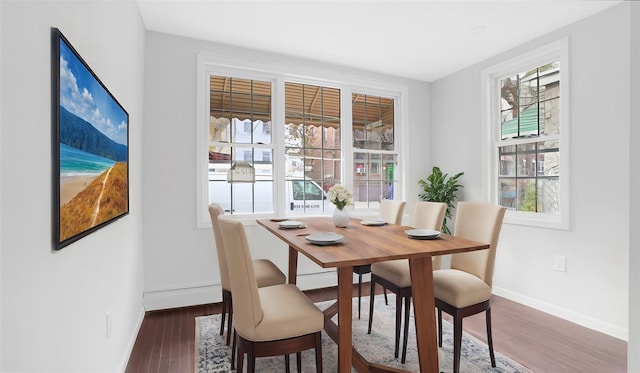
[108, 324]
[560, 263]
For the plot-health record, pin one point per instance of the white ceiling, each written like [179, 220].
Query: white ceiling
[423, 40]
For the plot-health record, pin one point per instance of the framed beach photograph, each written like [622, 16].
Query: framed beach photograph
[90, 148]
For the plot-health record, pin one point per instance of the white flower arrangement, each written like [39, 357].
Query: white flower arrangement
[340, 196]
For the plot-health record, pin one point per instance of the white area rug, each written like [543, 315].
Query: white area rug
[211, 355]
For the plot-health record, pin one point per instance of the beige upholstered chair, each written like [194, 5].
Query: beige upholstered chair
[465, 289]
[270, 321]
[267, 273]
[391, 212]
[395, 276]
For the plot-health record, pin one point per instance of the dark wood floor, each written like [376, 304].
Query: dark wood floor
[541, 342]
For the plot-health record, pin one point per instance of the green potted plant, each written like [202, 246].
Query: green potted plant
[440, 187]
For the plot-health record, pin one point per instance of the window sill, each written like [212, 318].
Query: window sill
[536, 220]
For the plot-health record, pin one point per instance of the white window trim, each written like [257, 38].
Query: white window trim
[208, 63]
[558, 50]
[399, 138]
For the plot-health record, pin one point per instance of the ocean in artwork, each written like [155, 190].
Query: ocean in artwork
[75, 162]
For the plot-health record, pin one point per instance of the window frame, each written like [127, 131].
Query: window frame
[303, 146]
[372, 152]
[208, 64]
[556, 51]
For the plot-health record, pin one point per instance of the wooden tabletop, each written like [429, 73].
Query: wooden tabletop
[364, 244]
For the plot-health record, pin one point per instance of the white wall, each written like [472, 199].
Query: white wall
[633, 351]
[594, 289]
[1, 209]
[54, 304]
[180, 260]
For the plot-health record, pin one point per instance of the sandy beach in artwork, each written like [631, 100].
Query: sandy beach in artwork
[70, 186]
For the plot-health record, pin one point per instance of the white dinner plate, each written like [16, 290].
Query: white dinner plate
[324, 238]
[422, 234]
[290, 224]
[373, 222]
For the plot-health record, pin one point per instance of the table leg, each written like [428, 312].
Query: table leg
[424, 309]
[345, 292]
[293, 265]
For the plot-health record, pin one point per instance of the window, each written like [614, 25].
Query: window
[312, 140]
[528, 124]
[238, 111]
[373, 143]
[248, 156]
[298, 134]
[529, 109]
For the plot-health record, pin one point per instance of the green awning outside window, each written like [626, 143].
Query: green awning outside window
[529, 123]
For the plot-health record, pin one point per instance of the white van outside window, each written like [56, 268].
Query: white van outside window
[302, 196]
[306, 196]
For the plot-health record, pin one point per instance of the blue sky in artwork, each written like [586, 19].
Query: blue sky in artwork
[84, 96]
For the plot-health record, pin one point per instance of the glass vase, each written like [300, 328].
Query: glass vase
[340, 218]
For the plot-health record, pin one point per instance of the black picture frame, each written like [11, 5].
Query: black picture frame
[90, 148]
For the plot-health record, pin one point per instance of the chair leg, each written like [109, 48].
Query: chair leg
[490, 338]
[371, 299]
[224, 312]
[457, 341]
[251, 361]
[398, 321]
[287, 365]
[386, 300]
[240, 355]
[359, 292]
[230, 318]
[299, 361]
[319, 352]
[407, 311]
[234, 349]
[439, 327]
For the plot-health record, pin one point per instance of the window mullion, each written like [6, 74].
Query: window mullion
[527, 140]
[346, 145]
[538, 100]
[278, 140]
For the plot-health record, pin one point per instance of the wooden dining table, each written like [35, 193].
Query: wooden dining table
[361, 245]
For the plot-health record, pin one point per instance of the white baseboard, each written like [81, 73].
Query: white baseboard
[132, 342]
[204, 294]
[317, 280]
[563, 313]
[182, 297]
